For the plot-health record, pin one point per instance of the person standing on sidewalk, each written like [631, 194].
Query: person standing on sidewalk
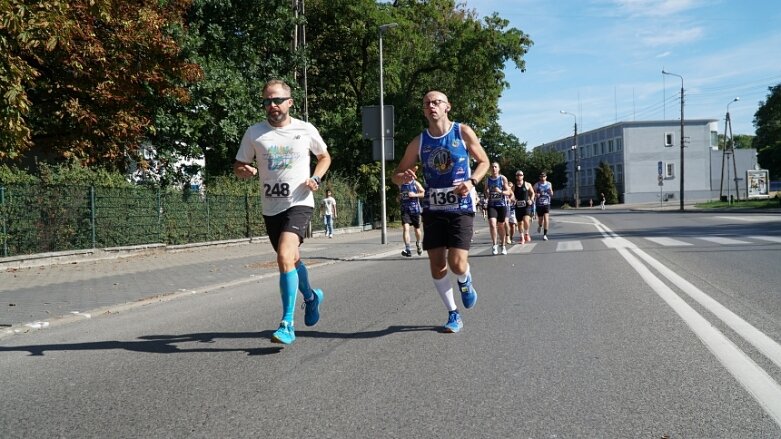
[602, 201]
[328, 210]
[281, 146]
[445, 150]
[410, 194]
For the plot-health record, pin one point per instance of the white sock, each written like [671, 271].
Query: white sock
[445, 290]
[465, 276]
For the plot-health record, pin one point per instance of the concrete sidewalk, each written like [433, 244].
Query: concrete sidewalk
[45, 295]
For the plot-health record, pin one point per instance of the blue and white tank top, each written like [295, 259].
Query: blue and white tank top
[409, 205]
[496, 198]
[543, 193]
[446, 165]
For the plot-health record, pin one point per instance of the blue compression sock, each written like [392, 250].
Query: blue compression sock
[288, 283]
[303, 281]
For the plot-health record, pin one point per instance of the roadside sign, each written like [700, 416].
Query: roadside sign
[659, 167]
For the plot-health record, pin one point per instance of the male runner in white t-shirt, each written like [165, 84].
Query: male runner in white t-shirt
[281, 146]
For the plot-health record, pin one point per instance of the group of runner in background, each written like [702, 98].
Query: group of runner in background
[508, 207]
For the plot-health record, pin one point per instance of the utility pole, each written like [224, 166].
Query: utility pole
[683, 138]
[727, 154]
[300, 34]
[577, 159]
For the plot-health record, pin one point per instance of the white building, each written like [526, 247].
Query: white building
[636, 151]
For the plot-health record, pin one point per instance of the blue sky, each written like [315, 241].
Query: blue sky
[602, 61]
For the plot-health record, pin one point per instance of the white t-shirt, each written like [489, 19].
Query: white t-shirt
[283, 160]
[328, 205]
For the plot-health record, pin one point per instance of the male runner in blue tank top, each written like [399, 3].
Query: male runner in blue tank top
[445, 150]
[410, 194]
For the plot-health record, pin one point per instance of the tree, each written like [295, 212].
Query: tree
[238, 53]
[549, 161]
[437, 45]
[85, 80]
[739, 141]
[767, 121]
[604, 183]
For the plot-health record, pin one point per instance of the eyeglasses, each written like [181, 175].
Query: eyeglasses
[276, 101]
[519, 175]
[434, 102]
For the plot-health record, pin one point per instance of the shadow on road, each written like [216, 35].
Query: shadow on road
[167, 344]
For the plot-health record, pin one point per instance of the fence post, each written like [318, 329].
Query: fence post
[359, 212]
[208, 217]
[5, 225]
[246, 215]
[92, 212]
[159, 216]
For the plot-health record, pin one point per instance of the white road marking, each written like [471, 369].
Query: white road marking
[569, 246]
[753, 218]
[722, 240]
[764, 238]
[522, 248]
[751, 376]
[667, 242]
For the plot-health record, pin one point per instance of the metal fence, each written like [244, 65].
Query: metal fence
[39, 219]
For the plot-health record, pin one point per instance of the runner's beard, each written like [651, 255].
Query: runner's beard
[276, 116]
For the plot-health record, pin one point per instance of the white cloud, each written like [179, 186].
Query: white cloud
[669, 37]
[655, 8]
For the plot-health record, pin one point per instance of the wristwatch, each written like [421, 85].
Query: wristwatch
[316, 179]
[474, 182]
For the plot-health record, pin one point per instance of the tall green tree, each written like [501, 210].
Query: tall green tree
[436, 45]
[239, 44]
[767, 121]
[84, 79]
[605, 183]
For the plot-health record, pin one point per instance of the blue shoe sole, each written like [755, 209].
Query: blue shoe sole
[469, 303]
[274, 339]
[283, 337]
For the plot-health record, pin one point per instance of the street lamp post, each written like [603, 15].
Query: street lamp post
[384, 239]
[577, 158]
[682, 136]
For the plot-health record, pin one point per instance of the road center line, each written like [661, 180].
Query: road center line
[751, 376]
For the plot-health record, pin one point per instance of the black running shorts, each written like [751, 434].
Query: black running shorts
[450, 230]
[294, 220]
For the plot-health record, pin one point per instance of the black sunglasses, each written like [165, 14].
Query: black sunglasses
[276, 101]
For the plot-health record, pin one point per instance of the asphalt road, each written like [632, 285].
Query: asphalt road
[624, 324]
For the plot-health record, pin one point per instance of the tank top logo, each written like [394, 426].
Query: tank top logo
[441, 161]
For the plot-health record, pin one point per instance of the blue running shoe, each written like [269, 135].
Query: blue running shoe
[312, 308]
[454, 322]
[468, 293]
[285, 334]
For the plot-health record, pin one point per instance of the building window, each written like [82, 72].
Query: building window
[714, 138]
[668, 139]
[619, 173]
[619, 144]
[669, 170]
[609, 146]
[601, 147]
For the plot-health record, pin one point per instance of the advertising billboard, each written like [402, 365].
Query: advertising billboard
[758, 183]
